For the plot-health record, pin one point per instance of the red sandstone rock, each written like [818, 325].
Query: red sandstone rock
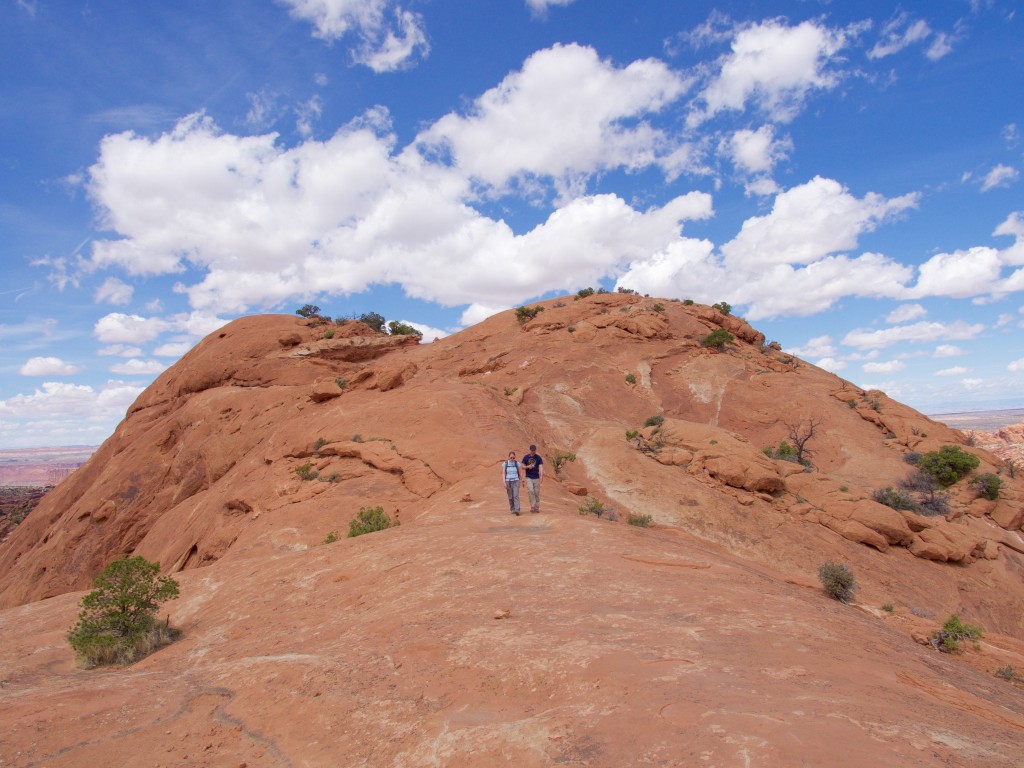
[622, 646]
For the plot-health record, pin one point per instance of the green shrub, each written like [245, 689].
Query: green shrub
[724, 307]
[838, 581]
[527, 313]
[357, 438]
[654, 421]
[332, 537]
[509, 391]
[583, 293]
[641, 521]
[329, 334]
[988, 485]
[687, 302]
[1007, 673]
[560, 458]
[717, 339]
[953, 632]
[402, 329]
[630, 291]
[630, 378]
[888, 608]
[785, 452]
[369, 520]
[320, 443]
[591, 506]
[895, 499]
[342, 383]
[632, 434]
[374, 320]
[308, 310]
[334, 477]
[658, 307]
[117, 623]
[306, 472]
[912, 458]
[948, 464]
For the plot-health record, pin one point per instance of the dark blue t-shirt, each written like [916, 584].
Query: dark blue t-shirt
[531, 463]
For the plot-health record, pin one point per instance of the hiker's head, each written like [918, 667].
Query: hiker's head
[511, 454]
[533, 449]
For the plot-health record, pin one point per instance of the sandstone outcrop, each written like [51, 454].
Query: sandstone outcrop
[616, 645]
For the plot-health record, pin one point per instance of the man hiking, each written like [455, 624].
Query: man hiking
[534, 466]
[511, 478]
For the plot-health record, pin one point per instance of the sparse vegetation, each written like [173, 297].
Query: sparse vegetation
[509, 391]
[838, 581]
[988, 486]
[724, 307]
[560, 458]
[331, 537]
[306, 471]
[584, 292]
[320, 443]
[717, 339]
[117, 623]
[630, 378]
[329, 334]
[687, 302]
[895, 499]
[396, 328]
[888, 608]
[357, 438]
[308, 311]
[640, 521]
[369, 520]
[342, 383]
[632, 434]
[621, 289]
[524, 314]
[932, 503]
[784, 452]
[334, 477]
[1007, 673]
[658, 307]
[954, 632]
[948, 464]
[374, 320]
[591, 506]
[654, 421]
[912, 458]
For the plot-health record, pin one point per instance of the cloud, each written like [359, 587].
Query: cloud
[917, 332]
[117, 328]
[941, 45]
[906, 312]
[114, 291]
[831, 364]
[756, 153]
[120, 350]
[1000, 176]
[948, 350]
[172, 349]
[540, 7]
[566, 113]
[389, 37]
[67, 414]
[1016, 365]
[809, 222]
[136, 367]
[891, 366]
[960, 274]
[898, 33]
[48, 366]
[972, 383]
[819, 346]
[773, 65]
[956, 370]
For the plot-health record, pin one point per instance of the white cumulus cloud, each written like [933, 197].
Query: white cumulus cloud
[948, 350]
[890, 366]
[773, 65]
[389, 37]
[906, 312]
[916, 332]
[114, 291]
[956, 370]
[48, 366]
[136, 367]
[1016, 365]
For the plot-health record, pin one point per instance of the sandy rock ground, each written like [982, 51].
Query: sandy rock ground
[469, 637]
[476, 638]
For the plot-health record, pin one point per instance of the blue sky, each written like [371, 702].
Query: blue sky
[846, 175]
